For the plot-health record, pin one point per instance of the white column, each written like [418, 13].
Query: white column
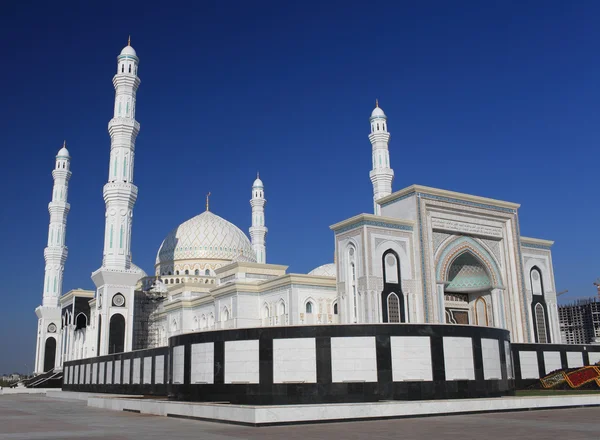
[382, 174]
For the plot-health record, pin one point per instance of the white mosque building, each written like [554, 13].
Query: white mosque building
[425, 255]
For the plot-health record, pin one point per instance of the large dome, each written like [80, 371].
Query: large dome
[326, 270]
[207, 237]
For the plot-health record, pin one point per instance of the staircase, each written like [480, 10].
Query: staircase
[49, 379]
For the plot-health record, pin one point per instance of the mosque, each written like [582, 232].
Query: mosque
[424, 256]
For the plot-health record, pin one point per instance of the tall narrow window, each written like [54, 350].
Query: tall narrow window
[481, 312]
[309, 307]
[335, 309]
[130, 68]
[125, 168]
[393, 305]
[127, 109]
[115, 167]
[540, 321]
[121, 237]
[111, 237]
[54, 284]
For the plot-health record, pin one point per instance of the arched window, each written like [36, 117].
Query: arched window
[352, 281]
[335, 309]
[207, 272]
[177, 280]
[130, 68]
[540, 321]
[281, 308]
[309, 307]
[225, 316]
[211, 320]
[197, 272]
[265, 311]
[393, 308]
[481, 317]
[187, 272]
[122, 68]
[49, 354]
[80, 321]
[538, 307]
[170, 273]
[176, 272]
[116, 336]
[392, 295]
[203, 321]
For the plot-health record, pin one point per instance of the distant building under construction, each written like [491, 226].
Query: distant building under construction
[580, 321]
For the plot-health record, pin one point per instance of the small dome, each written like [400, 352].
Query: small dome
[326, 270]
[128, 50]
[63, 152]
[257, 183]
[378, 113]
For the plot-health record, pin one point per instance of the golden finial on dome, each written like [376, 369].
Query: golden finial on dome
[376, 102]
[129, 41]
[207, 196]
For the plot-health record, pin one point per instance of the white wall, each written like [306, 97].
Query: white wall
[594, 357]
[159, 369]
[118, 372]
[101, 373]
[241, 361]
[294, 360]
[109, 369]
[178, 357]
[529, 365]
[490, 349]
[411, 358]
[552, 361]
[458, 358]
[574, 359]
[353, 359]
[202, 363]
[147, 369]
[137, 370]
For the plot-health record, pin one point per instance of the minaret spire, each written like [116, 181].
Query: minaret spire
[382, 174]
[258, 230]
[117, 277]
[55, 255]
[207, 200]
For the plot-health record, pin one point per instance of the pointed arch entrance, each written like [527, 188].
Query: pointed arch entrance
[468, 275]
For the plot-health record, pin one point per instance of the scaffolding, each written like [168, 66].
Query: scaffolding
[147, 303]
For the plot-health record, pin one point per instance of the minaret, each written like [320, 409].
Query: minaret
[381, 174]
[120, 193]
[55, 255]
[116, 280]
[258, 231]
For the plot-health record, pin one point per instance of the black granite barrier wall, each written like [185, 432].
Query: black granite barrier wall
[141, 388]
[325, 390]
[523, 381]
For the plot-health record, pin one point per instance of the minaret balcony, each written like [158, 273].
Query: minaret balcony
[120, 191]
[123, 126]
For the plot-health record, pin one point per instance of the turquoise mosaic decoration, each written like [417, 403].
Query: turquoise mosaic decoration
[467, 274]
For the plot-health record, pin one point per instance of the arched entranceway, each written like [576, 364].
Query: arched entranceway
[467, 292]
[49, 354]
[116, 337]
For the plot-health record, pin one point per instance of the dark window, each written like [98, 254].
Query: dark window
[116, 338]
[335, 309]
[49, 354]
[309, 307]
[393, 308]
[80, 321]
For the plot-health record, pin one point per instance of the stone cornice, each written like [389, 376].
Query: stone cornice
[265, 268]
[436, 192]
[71, 294]
[371, 220]
[536, 243]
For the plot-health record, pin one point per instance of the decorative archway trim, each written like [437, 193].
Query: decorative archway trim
[456, 248]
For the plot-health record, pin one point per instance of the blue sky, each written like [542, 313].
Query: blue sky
[498, 99]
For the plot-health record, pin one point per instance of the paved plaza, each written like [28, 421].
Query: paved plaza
[40, 417]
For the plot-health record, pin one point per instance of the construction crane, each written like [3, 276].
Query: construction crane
[597, 284]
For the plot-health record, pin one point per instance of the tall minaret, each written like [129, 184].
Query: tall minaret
[120, 193]
[381, 175]
[55, 255]
[117, 278]
[258, 231]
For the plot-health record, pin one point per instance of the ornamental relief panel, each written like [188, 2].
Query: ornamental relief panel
[465, 227]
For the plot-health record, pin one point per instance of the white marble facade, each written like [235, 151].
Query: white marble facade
[426, 255]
